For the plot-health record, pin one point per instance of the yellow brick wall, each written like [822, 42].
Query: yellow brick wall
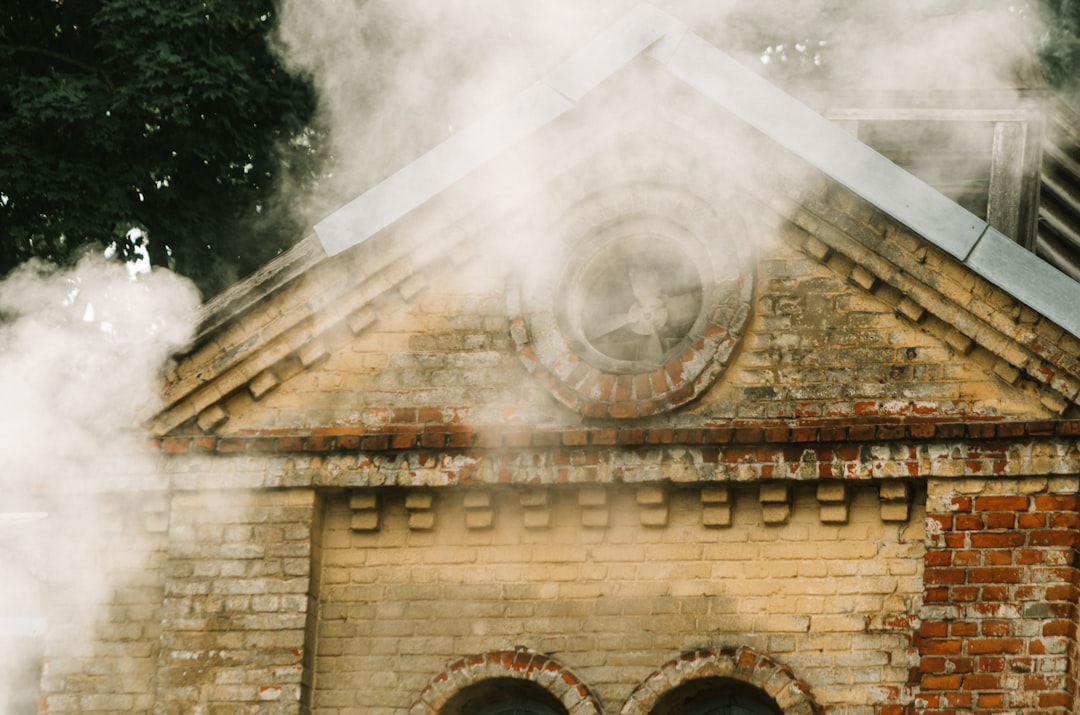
[101, 597]
[398, 605]
[237, 576]
[818, 346]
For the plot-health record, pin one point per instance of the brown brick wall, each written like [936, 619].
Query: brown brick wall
[820, 347]
[600, 579]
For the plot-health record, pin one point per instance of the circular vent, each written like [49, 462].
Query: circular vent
[634, 303]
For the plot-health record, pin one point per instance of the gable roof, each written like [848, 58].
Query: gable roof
[242, 347]
[778, 115]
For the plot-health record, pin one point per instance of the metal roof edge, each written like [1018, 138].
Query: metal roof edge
[635, 32]
[440, 168]
[1028, 278]
[752, 98]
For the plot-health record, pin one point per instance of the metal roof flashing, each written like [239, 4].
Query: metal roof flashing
[732, 86]
[1028, 278]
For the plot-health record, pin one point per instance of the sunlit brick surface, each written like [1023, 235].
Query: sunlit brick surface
[835, 603]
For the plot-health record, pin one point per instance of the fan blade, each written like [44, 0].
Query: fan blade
[645, 285]
[653, 349]
[618, 349]
[607, 326]
[682, 308]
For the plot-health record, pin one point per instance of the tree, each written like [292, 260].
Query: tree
[173, 117]
[813, 42]
[1059, 46]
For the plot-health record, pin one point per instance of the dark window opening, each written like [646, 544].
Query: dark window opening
[503, 696]
[516, 706]
[716, 696]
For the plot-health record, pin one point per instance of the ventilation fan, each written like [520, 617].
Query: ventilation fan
[636, 300]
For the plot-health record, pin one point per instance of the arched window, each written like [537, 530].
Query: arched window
[506, 682]
[731, 705]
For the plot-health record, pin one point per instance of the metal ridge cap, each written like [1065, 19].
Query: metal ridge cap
[825, 146]
[557, 92]
[629, 36]
[439, 168]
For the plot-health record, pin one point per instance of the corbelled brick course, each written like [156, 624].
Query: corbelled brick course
[442, 434]
[602, 460]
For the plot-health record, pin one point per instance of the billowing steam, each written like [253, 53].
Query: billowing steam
[81, 350]
[395, 78]
[81, 354]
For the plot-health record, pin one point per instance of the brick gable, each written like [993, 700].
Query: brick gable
[850, 307]
[818, 347]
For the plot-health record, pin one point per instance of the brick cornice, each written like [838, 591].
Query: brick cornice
[937, 293]
[405, 437]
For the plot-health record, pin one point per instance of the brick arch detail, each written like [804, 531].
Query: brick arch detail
[520, 664]
[739, 663]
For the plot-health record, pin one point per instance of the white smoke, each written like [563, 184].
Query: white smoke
[81, 355]
[397, 77]
[81, 350]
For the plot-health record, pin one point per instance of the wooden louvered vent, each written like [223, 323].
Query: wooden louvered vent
[996, 163]
[1057, 239]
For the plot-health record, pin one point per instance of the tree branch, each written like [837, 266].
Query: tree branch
[31, 50]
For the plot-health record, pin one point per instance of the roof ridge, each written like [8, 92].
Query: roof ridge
[754, 100]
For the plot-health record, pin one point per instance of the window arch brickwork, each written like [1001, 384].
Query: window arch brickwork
[778, 681]
[521, 663]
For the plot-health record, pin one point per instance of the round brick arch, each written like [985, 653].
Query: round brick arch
[742, 664]
[519, 664]
[675, 220]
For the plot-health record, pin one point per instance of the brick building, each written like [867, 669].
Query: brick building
[657, 392]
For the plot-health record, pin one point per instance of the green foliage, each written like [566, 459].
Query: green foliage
[175, 117]
[800, 42]
[1059, 46]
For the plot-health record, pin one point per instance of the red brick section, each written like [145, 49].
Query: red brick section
[795, 436]
[999, 623]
